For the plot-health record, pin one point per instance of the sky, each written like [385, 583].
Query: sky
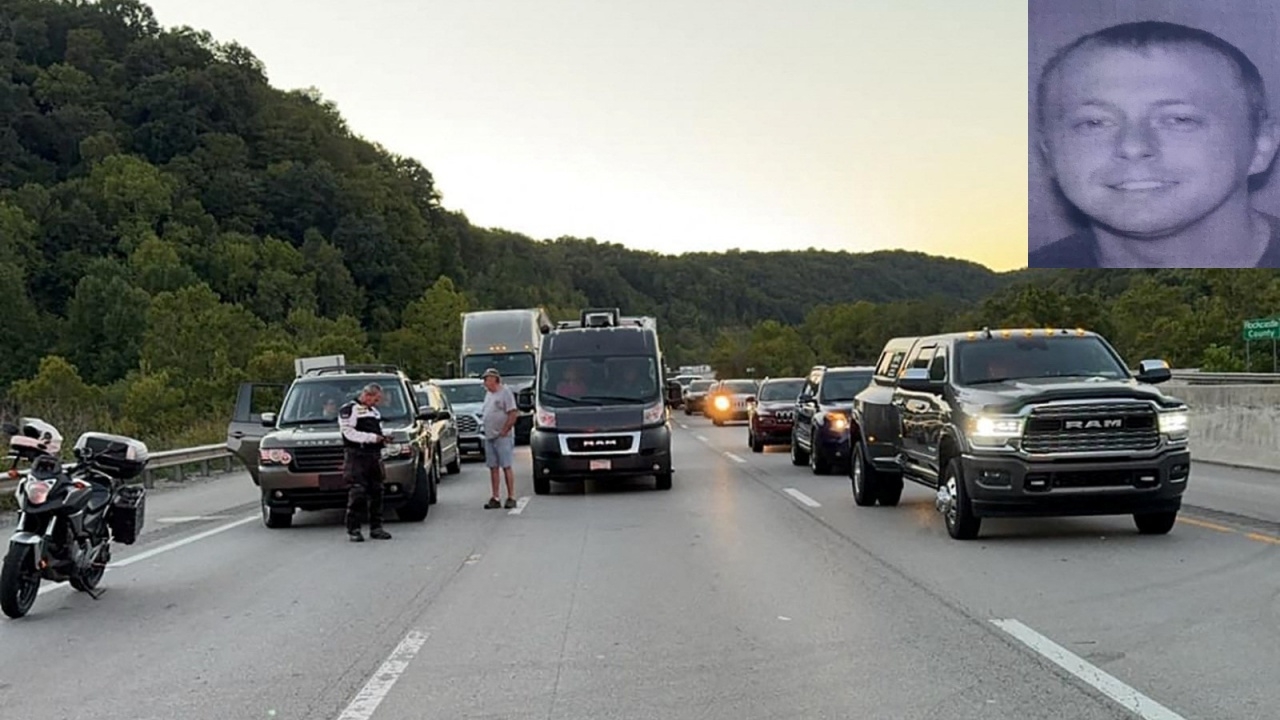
[676, 126]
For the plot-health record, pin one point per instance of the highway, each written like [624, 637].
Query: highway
[753, 589]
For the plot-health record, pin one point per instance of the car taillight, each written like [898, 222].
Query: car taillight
[38, 492]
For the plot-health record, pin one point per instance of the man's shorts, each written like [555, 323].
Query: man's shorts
[500, 453]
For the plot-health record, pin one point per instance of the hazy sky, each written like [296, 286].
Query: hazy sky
[681, 126]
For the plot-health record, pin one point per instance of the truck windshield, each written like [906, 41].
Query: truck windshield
[739, 387]
[995, 360]
[462, 394]
[841, 386]
[316, 402]
[779, 390]
[619, 380]
[507, 364]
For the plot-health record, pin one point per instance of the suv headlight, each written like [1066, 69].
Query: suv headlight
[837, 421]
[274, 456]
[1175, 423]
[994, 430]
[395, 450]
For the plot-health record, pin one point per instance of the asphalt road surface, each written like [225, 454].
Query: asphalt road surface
[752, 589]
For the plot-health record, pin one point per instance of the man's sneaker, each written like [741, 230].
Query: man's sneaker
[511, 502]
[355, 536]
[493, 503]
[379, 534]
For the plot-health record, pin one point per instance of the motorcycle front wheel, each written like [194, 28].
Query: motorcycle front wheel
[19, 583]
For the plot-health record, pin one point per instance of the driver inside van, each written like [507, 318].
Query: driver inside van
[571, 381]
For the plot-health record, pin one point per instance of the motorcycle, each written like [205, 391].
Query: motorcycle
[69, 517]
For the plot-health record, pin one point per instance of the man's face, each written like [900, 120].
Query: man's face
[1149, 142]
[490, 383]
[373, 399]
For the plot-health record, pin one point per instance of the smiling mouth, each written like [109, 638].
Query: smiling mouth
[1142, 185]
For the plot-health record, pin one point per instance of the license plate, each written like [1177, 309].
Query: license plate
[332, 481]
[601, 464]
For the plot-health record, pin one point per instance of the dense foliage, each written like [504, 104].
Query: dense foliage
[171, 225]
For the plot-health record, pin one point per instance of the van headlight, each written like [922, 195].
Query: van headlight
[1175, 423]
[655, 414]
[994, 430]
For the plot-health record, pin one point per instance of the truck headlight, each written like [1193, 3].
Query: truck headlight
[994, 430]
[1175, 424]
[837, 421]
[545, 418]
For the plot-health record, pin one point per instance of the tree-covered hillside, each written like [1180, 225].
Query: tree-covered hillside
[171, 225]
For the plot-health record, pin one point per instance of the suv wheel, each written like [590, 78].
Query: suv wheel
[275, 518]
[1159, 523]
[798, 456]
[418, 505]
[864, 484]
[818, 461]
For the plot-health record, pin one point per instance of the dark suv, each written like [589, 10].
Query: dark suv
[294, 453]
[1021, 423]
[773, 412]
[820, 436]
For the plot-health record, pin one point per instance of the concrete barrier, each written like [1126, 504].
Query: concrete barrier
[1233, 424]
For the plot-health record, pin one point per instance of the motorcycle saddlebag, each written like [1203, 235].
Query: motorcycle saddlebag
[127, 513]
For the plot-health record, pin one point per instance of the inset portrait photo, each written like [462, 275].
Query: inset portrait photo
[1153, 135]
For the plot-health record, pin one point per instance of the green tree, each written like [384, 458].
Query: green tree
[106, 323]
[430, 333]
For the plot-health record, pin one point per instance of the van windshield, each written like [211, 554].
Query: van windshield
[579, 381]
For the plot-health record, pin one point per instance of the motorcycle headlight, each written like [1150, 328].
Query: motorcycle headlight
[722, 403]
[1175, 423]
[994, 430]
[38, 492]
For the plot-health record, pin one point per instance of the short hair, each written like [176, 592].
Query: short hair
[372, 389]
[1149, 34]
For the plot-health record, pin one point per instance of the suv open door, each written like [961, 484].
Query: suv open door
[247, 426]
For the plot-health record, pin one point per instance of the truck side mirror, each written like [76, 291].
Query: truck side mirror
[268, 419]
[1154, 372]
[917, 380]
[524, 399]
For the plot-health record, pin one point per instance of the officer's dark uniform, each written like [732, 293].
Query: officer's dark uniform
[362, 467]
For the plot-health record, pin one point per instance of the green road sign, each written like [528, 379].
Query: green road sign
[1262, 329]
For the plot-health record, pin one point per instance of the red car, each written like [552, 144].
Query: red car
[770, 417]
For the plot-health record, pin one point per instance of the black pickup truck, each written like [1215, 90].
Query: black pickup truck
[1008, 423]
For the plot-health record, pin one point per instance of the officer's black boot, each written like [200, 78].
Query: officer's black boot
[355, 535]
[379, 534]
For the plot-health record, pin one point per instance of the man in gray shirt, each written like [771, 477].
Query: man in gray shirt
[499, 418]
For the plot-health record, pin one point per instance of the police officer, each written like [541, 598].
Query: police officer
[363, 439]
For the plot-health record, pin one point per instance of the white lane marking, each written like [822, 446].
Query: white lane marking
[184, 541]
[156, 551]
[375, 691]
[804, 499]
[1132, 700]
[191, 518]
[682, 425]
[520, 506]
[734, 458]
[471, 560]
[703, 438]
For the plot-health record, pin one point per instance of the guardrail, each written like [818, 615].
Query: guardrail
[1195, 377]
[174, 460]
